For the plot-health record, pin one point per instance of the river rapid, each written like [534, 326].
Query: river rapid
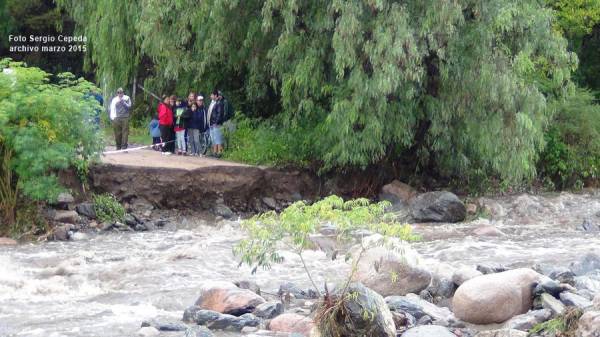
[107, 284]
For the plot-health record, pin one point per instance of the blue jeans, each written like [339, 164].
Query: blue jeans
[194, 140]
[180, 140]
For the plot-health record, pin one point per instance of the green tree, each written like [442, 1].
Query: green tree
[457, 87]
[44, 127]
[578, 21]
[572, 153]
[576, 18]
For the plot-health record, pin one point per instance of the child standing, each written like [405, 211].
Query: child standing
[181, 116]
[154, 128]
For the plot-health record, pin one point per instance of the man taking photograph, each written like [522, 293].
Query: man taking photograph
[119, 116]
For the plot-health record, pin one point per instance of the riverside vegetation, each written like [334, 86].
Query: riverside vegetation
[44, 127]
[468, 93]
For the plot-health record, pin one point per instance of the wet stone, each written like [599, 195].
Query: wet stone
[563, 275]
[165, 326]
[491, 268]
[574, 300]
[268, 310]
[292, 289]
[198, 331]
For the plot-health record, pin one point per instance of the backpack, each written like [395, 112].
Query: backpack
[228, 110]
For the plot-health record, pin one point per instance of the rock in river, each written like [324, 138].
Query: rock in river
[495, 298]
[574, 300]
[269, 310]
[398, 193]
[292, 323]
[464, 274]
[379, 323]
[438, 206]
[378, 264]
[226, 298]
[419, 308]
[198, 331]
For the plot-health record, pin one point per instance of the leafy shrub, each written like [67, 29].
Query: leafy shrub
[572, 152]
[108, 208]
[43, 128]
[271, 142]
[296, 223]
[292, 229]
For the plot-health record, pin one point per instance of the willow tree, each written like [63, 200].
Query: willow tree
[458, 86]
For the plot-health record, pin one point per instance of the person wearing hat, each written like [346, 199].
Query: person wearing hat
[197, 125]
[119, 116]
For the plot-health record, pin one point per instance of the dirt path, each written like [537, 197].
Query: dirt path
[150, 158]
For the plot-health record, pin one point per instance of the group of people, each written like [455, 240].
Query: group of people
[182, 126]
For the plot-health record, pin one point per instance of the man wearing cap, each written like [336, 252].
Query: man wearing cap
[119, 116]
[197, 126]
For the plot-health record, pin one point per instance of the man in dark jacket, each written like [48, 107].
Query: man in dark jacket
[197, 126]
[215, 119]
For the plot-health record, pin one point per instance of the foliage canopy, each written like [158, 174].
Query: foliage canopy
[459, 86]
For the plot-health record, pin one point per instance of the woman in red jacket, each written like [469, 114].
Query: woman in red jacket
[165, 124]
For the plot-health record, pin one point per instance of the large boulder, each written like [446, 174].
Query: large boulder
[428, 331]
[379, 321]
[226, 298]
[589, 324]
[392, 271]
[438, 206]
[495, 298]
[293, 324]
[398, 193]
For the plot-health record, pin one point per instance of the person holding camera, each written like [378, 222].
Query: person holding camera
[119, 116]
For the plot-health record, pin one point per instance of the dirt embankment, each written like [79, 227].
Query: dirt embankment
[203, 183]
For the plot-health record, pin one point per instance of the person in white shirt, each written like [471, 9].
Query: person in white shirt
[119, 116]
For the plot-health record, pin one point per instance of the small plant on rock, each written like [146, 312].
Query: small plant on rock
[292, 228]
[564, 325]
[108, 208]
